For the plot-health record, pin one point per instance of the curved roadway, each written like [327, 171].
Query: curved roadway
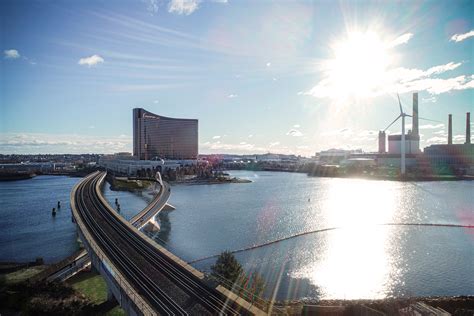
[167, 286]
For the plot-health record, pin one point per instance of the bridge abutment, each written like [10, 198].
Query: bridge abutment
[114, 289]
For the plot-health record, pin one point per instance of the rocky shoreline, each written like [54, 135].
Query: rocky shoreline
[455, 305]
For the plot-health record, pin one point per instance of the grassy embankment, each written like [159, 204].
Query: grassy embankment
[84, 294]
[93, 286]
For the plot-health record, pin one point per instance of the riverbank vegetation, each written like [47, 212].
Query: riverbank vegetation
[229, 272]
[84, 294]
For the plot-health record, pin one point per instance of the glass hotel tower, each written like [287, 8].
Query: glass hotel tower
[156, 136]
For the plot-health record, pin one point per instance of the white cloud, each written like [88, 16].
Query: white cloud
[431, 99]
[231, 96]
[219, 147]
[273, 144]
[437, 85]
[462, 37]
[401, 80]
[436, 140]
[185, 7]
[431, 126]
[216, 137]
[250, 136]
[152, 6]
[403, 39]
[296, 126]
[24, 143]
[11, 54]
[440, 132]
[294, 132]
[442, 68]
[345, 132]
[269, 64]
[156, 101]
[91, 60]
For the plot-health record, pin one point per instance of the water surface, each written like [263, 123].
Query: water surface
[27, 229]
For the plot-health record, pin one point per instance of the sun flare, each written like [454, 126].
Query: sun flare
[359, 64]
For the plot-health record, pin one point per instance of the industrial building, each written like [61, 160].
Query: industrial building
[412, 144]
[160, 137]
[412, 138]
[459, 156]
[392, 157]
[453, 156]
[435, 159]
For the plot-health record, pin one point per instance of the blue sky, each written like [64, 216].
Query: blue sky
[261, 76]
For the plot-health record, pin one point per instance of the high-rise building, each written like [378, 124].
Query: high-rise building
[156, 136]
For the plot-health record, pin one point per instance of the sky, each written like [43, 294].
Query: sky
[292, 77]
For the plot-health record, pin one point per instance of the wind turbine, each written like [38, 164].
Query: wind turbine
[402, 149]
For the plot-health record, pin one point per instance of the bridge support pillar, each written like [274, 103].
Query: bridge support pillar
[110, 294]
[114, 290]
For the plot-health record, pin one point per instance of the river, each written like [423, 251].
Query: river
[362, 258]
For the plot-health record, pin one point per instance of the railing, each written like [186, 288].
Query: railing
[164, 191]
[125, 286]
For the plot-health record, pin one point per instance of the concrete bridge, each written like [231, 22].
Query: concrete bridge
[145, 278]
[78, 261]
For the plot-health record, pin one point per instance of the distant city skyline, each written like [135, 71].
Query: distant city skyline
[280, 77]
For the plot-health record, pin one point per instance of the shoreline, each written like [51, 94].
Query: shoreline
[398, 178]
[210, 181]
[388, 306]
[409, 178]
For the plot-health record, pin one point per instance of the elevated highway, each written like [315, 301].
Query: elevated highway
[144, 277]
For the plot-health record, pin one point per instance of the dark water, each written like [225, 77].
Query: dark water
[363, 259]
[27, 229]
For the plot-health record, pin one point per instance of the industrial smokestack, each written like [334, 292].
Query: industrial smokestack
[450, 129]
[468, 127]
[415, 114]
[382, 138]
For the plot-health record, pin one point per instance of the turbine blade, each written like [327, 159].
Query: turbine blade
[400, 103]
[422, 118]
[393, 122]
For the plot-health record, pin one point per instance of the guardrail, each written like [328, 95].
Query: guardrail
[89, 241]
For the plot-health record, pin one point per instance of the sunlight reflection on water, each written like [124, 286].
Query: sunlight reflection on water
[361, 260]
[355, 261]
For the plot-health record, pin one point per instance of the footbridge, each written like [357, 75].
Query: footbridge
[144, 277]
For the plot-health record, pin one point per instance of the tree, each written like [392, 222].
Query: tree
[227, 267]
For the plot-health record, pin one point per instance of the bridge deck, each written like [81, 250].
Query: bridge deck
[164, 282]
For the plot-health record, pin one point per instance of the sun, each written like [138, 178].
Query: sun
[359, 64]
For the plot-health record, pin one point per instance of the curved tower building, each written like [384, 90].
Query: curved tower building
[156, 136]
